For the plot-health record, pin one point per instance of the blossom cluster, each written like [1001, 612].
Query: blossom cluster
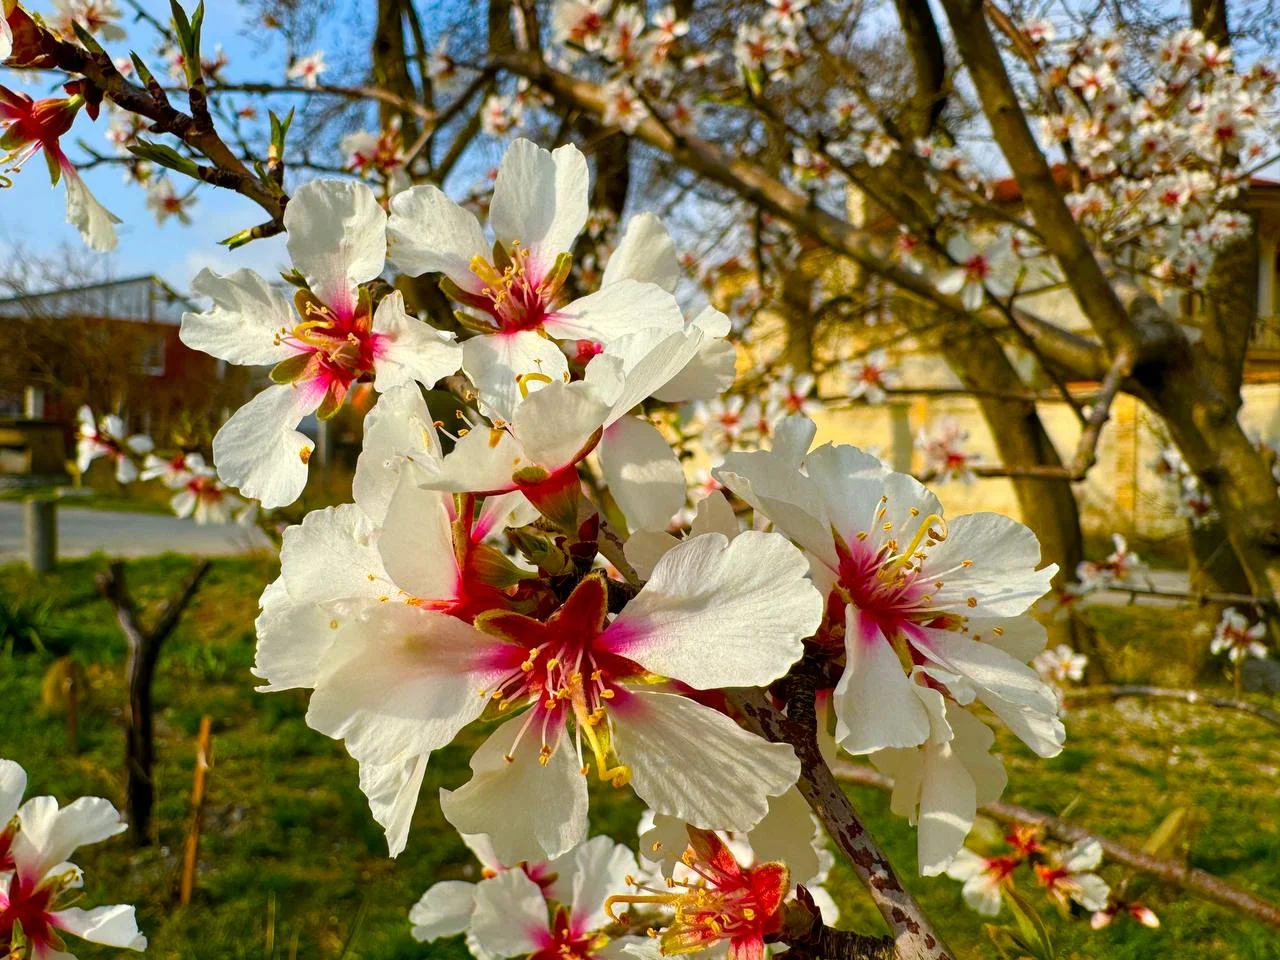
[1164, 157]
[197, 491]
[1065, 874]
[39, 884]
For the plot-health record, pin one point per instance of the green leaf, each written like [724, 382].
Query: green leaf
[1032, 932]
[1164, 841]
[165, 156]
[87, 38]
[148, 79]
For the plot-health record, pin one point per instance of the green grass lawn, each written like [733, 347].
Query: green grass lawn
[293, 865]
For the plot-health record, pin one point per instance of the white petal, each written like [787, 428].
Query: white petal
[555, 424]
[6, 39]
[1002, 575]
[687, 760]
[13, 784]
[409, 349]
[650, 359]
[710, 373]
[982, 893]
[48, 835]
[615, 311]
[1083, 855]
[529, 811]
[792, 438]
[714, 515]
[444, 910]
[429, 233]
[337, 238]
[510, 917]
[540, 199]
[644, 253]
[398, 429]
[948, 805]
[293, 639]
[874, 703]
[966, 864]
[94, 221]
[393, 789]
[720, 613]
[587, 876]
[481, 462]
[245, 322]
[496, 363]
[775, 488]
[260, 450]
[786, 834]
[404, 681]
[642, 473]
[1010, 688]
[1020, 637]
[416, 543]
[972, 743]
[114, 926]
[1092, 893]
[644, 548]
[331, 555]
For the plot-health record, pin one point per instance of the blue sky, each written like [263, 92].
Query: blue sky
[33, 214]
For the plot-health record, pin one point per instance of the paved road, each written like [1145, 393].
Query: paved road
[82, 532]
[1172, 580]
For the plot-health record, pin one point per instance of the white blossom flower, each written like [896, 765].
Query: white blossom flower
[516, 916]
[165, 202]
[501, 114]
[623, 107]
[376, 611]
[1069, 875]
[337, 241]
[109, 437]
[539, 207]
[1236, 638]
[978, 271]
[945, 452]
[985, 879]
[870, 376]
[307, 69]
[580, 22]
[38, 884]
[580, 880]
[931, 616]
[98, 17]
[789, 834]
[1060, 664]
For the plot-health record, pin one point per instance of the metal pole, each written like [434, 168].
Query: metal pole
[41, 522]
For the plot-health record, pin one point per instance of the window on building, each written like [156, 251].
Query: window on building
[151, 356]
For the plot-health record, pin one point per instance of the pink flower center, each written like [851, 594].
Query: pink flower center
[567, 667]
[28, 906]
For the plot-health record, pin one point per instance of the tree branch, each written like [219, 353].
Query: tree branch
[913, 934]
[1040, 193]
[1198, 882]
[1193, 697]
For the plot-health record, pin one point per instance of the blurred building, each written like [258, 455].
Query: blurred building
[1122, 492]
[111, 345]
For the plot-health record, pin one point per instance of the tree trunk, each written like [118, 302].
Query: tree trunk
[1204, 424]
[1048, 507]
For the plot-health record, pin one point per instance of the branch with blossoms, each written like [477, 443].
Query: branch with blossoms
[984, 878]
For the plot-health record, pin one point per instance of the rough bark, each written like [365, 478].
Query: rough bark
[928, 61]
